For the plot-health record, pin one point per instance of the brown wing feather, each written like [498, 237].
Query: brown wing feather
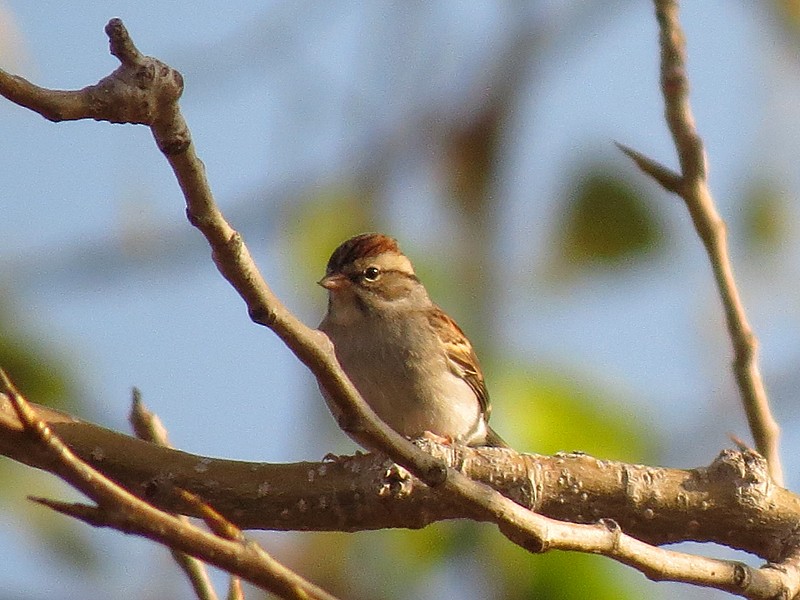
[461, 356]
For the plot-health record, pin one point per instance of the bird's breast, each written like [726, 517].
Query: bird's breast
[401, 371]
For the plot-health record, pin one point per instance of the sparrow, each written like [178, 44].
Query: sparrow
[409, 361]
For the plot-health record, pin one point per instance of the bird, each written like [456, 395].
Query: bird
[407, 358]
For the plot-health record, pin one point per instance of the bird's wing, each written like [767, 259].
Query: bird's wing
[461, 356]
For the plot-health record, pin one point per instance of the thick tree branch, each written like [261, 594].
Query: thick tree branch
[655, 505]
[692, 186]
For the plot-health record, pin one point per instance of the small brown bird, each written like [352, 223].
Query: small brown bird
[410, 361]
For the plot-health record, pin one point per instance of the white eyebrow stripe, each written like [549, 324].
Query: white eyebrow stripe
[394, 262]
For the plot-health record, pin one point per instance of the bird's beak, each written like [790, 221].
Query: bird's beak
[333, 282]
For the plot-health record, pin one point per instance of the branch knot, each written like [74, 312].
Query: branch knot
[745, 473]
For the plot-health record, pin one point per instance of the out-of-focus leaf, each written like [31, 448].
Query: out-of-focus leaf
[788, 12]
[765, 219]
[316, 226]
[561, 576]
[42, 375]
[65, 539]
[605, 222]
[62, 538]
[376, 564]
[37, 370]
[36, 373]
[547, 412]
[396, 553]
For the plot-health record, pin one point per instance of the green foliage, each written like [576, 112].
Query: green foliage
[376, 564]
[63, 538]
[322, 222]
[551, 411]
[547, 411]
[605, 222]
[765, 218]
[561, 576]
[44, 377]
[37, 371]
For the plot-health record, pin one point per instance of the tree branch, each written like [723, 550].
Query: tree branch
[233, 259]
[692, 186]
[118, 508]
[147, 426]
[731, 502]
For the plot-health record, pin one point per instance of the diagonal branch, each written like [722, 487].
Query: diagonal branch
[119, 508]
[666, 177]
[144, 90]
[234, 262]
[147, 426]
[692, 186]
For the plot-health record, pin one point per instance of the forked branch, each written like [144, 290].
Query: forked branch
[118, 508]
[691, 184]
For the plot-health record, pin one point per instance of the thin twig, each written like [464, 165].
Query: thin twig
[215, 520]
[669, 179]
[235, 590]
[122, 510]
[149, 427]
[692, 186]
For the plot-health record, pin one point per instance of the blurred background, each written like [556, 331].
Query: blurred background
[480, 134]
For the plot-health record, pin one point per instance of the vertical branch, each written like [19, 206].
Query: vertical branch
[692, 186]
[147, 426]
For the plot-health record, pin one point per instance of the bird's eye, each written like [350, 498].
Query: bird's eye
[372, 273]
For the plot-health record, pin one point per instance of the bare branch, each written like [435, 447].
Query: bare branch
[118, 508]
[235, 591]
[94, 516]
[197, 573]
[149, 427]
[235, 263]
[692, 186]
[790, 571]
[711, 229]
[146, 424]
[91, 515]
[652, 505]
[669, 179]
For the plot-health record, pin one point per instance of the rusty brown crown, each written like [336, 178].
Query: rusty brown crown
[360, 246]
